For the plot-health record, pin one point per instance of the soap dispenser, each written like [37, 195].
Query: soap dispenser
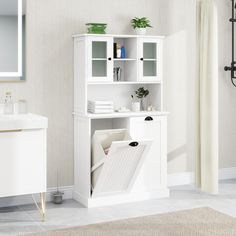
[9, 107]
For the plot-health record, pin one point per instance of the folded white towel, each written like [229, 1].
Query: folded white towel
[101, 102]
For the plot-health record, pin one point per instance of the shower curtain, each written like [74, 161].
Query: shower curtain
[207, 156]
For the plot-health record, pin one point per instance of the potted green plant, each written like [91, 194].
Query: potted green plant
[140, 25]
[142, 94]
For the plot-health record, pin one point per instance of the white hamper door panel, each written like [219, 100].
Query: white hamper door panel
[22, 162]
[121, 167]
[150, 177]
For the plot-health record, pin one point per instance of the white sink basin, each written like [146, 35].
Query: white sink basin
[22, 122]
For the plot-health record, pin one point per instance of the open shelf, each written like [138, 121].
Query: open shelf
[124, 59]
[120, 95]
[126, 114]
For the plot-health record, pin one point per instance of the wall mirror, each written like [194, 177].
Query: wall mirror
[12, 40]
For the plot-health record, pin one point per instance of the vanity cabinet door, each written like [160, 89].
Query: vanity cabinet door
[100, 59]
[150, 59]
[22, 162]
[154, 171]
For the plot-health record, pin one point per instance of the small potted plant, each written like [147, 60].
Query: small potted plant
[141, 94]
[140, 25]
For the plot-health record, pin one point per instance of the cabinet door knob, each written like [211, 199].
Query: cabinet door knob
[148, 118]
[141, 59]
[109, 58]
[133, 144]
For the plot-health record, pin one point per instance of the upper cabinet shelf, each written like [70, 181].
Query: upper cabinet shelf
[124, 59]
[140, 62]
[127, 114]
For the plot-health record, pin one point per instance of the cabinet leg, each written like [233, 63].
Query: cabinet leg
[43, 205]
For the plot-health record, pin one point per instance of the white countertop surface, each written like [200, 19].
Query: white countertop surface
[22, 122]
[127, 114]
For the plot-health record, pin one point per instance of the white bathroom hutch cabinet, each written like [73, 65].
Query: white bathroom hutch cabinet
[93, 80]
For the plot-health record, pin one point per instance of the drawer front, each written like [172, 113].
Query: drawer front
[153, 174]
[22, 162]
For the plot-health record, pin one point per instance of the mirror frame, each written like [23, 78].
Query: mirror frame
[19, 72]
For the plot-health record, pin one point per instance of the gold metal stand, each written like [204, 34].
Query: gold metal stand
[42, 207]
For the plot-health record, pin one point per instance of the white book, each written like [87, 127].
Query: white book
[101, 102]
[100, 106]
[99, 109]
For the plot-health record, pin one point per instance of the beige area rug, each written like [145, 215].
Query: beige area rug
[195, 222]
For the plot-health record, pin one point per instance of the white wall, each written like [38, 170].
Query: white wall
[179, 86]
[8, 43]
[227, 92]
[180, 78]
[49, 85]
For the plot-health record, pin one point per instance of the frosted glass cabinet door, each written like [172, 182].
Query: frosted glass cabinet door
[150, 57]
[100, 62]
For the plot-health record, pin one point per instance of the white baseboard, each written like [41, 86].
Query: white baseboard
[121, 198]
[227, 173]
[185, 178]
[27, 199]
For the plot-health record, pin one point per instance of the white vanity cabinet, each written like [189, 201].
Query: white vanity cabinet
[22, 154]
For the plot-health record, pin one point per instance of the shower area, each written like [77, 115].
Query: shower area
[181, 40]
[232, 68]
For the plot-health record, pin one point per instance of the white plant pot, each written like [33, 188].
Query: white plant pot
[141, 31]
[135, 107]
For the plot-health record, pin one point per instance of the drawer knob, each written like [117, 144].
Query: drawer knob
[133, 144]
[148, 118]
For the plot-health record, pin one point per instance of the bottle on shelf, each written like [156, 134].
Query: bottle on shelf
[123, 52]
[9, 107]
[115, 50]
[118, 50]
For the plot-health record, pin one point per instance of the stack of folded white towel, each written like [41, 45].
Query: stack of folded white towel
[100, 107]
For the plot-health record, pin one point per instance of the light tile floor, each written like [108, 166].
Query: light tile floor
[25, 219]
